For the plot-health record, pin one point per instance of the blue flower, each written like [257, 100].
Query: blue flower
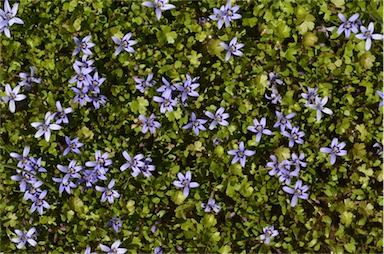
[114, 249]
[295, 136]
[101, 161]
[283, 121]
[32, 190]
[147, 168]
[298, 161]
[108, 193]
[83, 45]
[298, 192]
[88, 251]
[8, 18]
[149, 124]
[368, 36]
[115, 223]
[196, 124]
[240, 154]
[230, 13]
[211, 206]
[159, 5]
[348, 25]
[218, 15]
[158, 250]
[125, 44]
[73, 145]
[273, 165]
[188, 88]
[142, 84]
[61, 115]
[381, 94]
[65, 183]
[46, 127]
[29, 78]
[23, 159]
[218, 118]
[72, 170]
[259, 128]
[274, 79]
[232, 48]
[98, 100]
[185, 182]
[167, 104]
[336, 149]
[81, 77]
[286, 175]
[268, 233]
[275, 98]
[12, 96]
[23, 238]
[135, 163]
[81, 95]
[39, 203]
[319, 106]
[310, 96]
[35, 166]
[95, 82]
[167, 88]
[85, 63]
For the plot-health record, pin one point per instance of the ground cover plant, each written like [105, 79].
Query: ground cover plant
[191, 126]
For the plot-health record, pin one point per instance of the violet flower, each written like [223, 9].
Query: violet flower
[283, 121]
[185, 182]
[196, 124]
[142, 84]
[348, 25]
[83, 45]
[159, 5]
[368, 35]
[268, 233]
[298, 192]
[108, 193]
[28, 79]
[259, 128]
[295, 136]
[336, 149]
[12, 97]
[218, 118]
[149, 124]
[240, 154]
[232, 48]
[125, 44]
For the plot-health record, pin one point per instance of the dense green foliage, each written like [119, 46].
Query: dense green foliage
[344, 210]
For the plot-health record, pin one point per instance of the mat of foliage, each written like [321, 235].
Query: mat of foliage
[344, 210]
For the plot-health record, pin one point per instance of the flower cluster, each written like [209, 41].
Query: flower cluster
[137, 165]
[87, 86]
[353, 24]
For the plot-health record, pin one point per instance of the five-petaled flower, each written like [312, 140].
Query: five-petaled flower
[81, 77]
[61, 115]
[240, 154]
[230, 13]
[295, 136]
[166, 89]
[159, 5]
[23, 159]
[72, 170]
[28, 79]
[218, 118]
[259, 128]
[298, 192]
[298, 160]
[232, 48]
[336, 149]
[65, 183]
[125, 44]
[83, 45]
[319, 106]
[142, 84]
[283, 121]
[108, 193]
[268, 233]
[23, 238]
[114, 249]
[73, 145]
[348, 25]
[310, 96]
[275, 98]
[188, 88]
[185, 182]
[211, 206]
[196, 124]
[368, 35]
[8, 18]
[218, 15]
[167, 104]
[12, 96]
[274, 79]
[46, 127]
[115, 223]
[149, 124]
[135, 163]
[39, 202]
